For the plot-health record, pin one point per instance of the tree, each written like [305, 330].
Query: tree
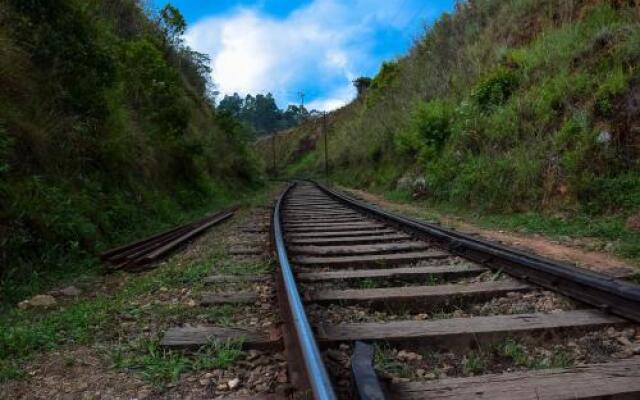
[173, 24]
[232, 105]
[261, 113]
[362, 84]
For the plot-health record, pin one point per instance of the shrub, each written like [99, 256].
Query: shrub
[495, 89]
[429, 129]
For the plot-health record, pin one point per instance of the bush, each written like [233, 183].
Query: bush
[430, 127]
[495, 89]
[102, 137]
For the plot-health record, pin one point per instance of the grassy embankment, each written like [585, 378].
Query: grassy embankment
[522, 113]
[121, 317]
[106, 134]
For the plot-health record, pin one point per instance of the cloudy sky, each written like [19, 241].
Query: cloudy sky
[317, 47]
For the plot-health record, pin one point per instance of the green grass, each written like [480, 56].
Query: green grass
[508, 139]
[161, 366]
[26, 333]
[610, 231]
[17, 285]
[521, 356]
[93, 152]
[384, 361]
[474, 363]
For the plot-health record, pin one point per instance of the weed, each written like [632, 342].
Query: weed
[474, 362]
[367, 283]
[9, 370]
[561, 358]
[516, 352]
[161, 366]
[431, 280]
[495, 89]
[384, 361]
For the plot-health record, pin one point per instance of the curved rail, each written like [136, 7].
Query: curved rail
[316, 371]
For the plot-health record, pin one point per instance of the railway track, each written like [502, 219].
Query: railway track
[360, 287]
[378, 306]
[138, 255]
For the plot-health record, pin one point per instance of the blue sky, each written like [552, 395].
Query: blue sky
[314, 46]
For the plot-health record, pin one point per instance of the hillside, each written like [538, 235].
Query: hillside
[505, 107]
[106, 132]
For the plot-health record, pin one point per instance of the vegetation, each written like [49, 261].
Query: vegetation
[505, 107]
[100, 320]
[261, 113]
[107, 131]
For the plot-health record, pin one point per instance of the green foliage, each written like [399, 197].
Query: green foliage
[381, 82]
[97, 320]
[501, 119]
[106, 133]
[161, 366]
[386, 76]
[64, 41]
[521, 357]
[172, 22]
[495, 89]
[261, 112]
[474, 363]
[429, 129]
[615, 84]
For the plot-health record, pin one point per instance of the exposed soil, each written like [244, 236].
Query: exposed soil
[79, 373]
[567, 252]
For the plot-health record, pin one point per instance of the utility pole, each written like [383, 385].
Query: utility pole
[326, 151]
[301, 94]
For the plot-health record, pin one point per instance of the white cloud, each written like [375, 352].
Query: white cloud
[326, 42]
[335, 100]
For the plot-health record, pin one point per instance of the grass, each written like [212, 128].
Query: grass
[384, 361]
[161, 366]
[610, 231]
[92, 150]
[474, 363]
[26, 333]
[86, 267]
[511, 139]
[520, 355]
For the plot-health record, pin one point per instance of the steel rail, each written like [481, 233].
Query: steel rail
[316, 371]
[606, 293]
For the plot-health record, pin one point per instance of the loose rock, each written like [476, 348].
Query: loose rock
[41, 300]
[233, 383]
[71, 291]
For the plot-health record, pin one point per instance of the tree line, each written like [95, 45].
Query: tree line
[261, 113]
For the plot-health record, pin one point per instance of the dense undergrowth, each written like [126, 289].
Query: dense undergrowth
[504, 107]
[106, 132]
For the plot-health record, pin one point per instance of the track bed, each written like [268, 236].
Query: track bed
[403, 314]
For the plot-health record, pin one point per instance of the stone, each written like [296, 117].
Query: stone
[629, 333]
[233, 383]
[404, 355]
[623, 340]
[71, 291]
[40, 300]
